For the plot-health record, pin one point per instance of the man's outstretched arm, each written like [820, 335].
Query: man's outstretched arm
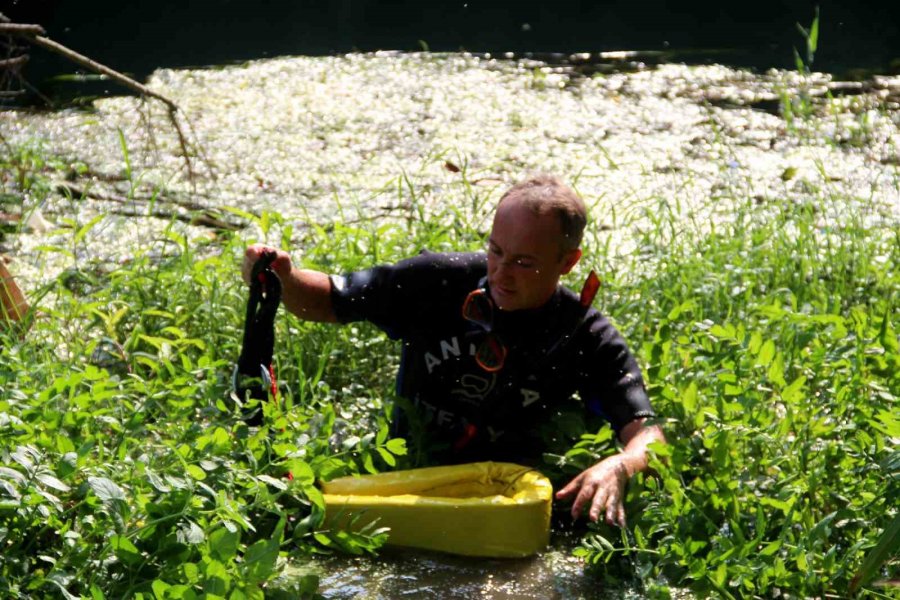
[601, 488]
[305, 293]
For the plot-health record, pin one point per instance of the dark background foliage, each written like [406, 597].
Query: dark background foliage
[141, 35]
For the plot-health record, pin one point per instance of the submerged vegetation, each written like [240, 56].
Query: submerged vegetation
[761, 297]
[770, 345]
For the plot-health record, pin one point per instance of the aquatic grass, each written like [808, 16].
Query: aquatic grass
[771, 352]
[769, 343]
[125, 469]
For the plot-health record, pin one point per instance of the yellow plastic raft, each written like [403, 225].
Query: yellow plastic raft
[478, 509]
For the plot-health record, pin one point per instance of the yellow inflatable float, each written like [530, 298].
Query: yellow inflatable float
[477, 509]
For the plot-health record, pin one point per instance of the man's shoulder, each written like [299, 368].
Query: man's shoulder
[444, 267]
[589, 321]
[460, 261]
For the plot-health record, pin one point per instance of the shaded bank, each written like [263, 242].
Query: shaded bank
[138, 37]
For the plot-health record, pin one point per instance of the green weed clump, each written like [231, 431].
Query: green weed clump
[769, 343]
[126, 469]
[772, 354]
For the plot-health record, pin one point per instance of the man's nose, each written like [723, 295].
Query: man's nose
[502, 269]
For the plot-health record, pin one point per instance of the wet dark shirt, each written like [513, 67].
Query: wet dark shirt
[563, 360]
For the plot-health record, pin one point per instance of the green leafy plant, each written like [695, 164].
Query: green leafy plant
[801, 106]
[769, 342]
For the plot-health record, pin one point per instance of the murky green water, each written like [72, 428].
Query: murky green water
[409, 573]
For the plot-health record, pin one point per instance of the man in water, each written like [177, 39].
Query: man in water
[494, 348]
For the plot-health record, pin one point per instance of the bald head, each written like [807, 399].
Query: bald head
[548, 195]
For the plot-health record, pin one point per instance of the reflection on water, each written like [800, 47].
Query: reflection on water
[411, 573]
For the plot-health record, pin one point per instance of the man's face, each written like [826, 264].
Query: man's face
[525, 259]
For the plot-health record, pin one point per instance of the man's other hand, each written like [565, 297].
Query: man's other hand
[281, 265]
[601, 490]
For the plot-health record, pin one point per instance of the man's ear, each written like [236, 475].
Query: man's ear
[570, 259]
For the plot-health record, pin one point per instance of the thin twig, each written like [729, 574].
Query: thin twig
[93, 65]
[201, 216]
[79, 192]
[203, 219]
[34, 34]
[21, 29]
[13, 63]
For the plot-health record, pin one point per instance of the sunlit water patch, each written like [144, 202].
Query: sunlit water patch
[408, 573]
[365, 137]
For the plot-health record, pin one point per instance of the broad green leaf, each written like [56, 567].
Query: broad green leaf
[779, 504]
[159, 588]
[776, 370]
[387, 457]
[315, 496]
[301, 471]
[368, 464]
[216, 580]
[794, 391]
[397, 446]
[722, 333]
[125, 550]
[886, 335]
[191, 572]
[681, 308]
[888, 423]
[771, 548]
[766, 354]
[190, 533]
[106, 489]
[812, 42]
[52, 482]
[182, 592]
[259, 560]
[223, 544]
[12, 474]
[196, 472]
[689, 398]
[275, 483]
[382, 435]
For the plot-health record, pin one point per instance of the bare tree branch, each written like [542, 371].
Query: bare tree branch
[34, 34]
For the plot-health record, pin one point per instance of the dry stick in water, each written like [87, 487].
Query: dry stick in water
[204, 217]
[34, 34]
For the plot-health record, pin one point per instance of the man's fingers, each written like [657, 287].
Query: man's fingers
[583, 498]
[281, 264]
[613, 507]
[569, 488]
[621, 515]
[601, 498]
[251, 255]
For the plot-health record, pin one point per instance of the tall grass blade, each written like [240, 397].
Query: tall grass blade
[887, 546]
